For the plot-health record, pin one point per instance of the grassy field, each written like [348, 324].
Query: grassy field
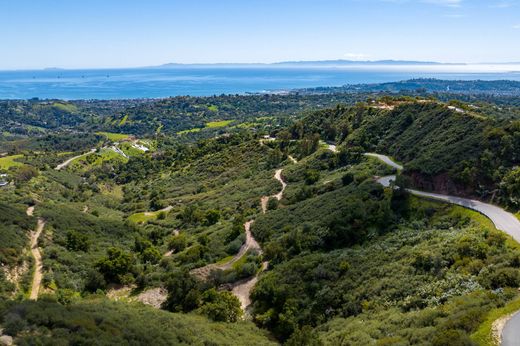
[209, 125]
[96, 159]
[123, 121]
[113, 136]
[222, 123]
[67, 107]
[9, 161]
[197, 129]
[146, 216]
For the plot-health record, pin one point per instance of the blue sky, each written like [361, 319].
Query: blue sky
[117, 33]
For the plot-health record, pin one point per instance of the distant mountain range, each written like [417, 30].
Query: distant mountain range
[339, 62]
[317, 63]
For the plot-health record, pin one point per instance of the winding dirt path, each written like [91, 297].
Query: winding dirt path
[249, 244]
[35, 251]
[242, 289]
[66, 163]
[265, 199]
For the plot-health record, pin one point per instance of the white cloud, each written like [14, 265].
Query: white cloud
[516, 26]
[503, 4]
[450, 3]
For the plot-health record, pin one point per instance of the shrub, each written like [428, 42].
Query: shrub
[220, 306]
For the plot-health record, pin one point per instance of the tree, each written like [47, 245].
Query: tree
[274, 158]
[115, 265]
[151, 255]
[347, 179]
[212, 216]
[304, 337]
[311, 176]
[77, 241]
[220, 306]
[178, 243]
[180, 285]
[95, 281]
[510, 187]
[272, 203]
[25, 173]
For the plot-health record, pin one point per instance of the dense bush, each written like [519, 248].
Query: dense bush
[102, 322]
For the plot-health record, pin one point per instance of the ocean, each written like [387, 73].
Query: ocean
[207, 81]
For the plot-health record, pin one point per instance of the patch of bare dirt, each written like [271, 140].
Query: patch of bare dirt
[242, 289]
[30, 211]
[154, 297]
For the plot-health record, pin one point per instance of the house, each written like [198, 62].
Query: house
[3, 180]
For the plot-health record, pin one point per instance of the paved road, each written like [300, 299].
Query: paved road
[66, 163]
[502, 220]
[511, 332]
[386, 160]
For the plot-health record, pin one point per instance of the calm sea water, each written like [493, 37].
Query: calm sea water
[199, 81]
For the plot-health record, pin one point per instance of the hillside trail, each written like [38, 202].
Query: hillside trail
[67, 162]
[163, 210]
[265, 199]
[249, 244]
[35, 251]
[242, 289]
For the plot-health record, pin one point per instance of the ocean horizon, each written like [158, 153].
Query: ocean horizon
[160, 82]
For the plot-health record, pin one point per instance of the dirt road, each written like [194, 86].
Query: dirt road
[35, 251]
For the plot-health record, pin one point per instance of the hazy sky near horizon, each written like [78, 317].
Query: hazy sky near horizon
[125, 33]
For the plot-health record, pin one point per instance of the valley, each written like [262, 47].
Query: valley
[300, 220]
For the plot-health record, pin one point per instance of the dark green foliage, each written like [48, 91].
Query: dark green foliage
[403, 269]
[183, 292]
[304, 337]
[212, 217]
[272, 203]
[101, 322]
[220, 306]
[77, 241]
[116, 265]
[95, 281]
[177, 243]
[24, 173]
[470, 153]
[311, 176]
[334, 219]
[14, 224]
